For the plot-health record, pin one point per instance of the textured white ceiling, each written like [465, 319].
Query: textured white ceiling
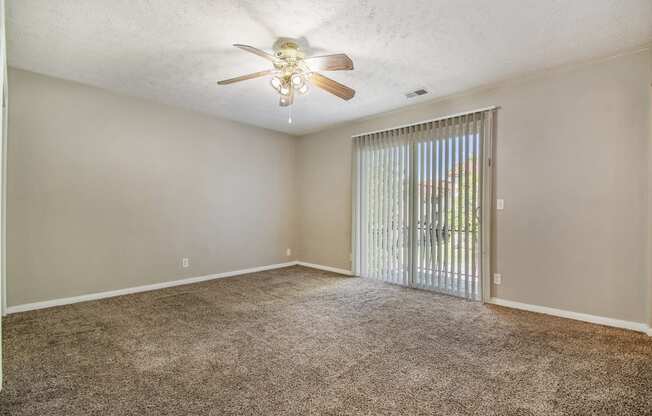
[174, 51]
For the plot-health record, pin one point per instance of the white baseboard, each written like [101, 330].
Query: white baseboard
[327, 268]
[635, 326]
[600, 320]
[146, 288]
[137, 289]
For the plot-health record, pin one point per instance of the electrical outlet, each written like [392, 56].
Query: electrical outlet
[185, 262]
[498, 278]
[288, 252]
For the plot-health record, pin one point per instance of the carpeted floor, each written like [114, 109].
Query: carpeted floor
[298, 341]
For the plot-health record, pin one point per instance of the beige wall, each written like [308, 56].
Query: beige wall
[571, 164]
[109, 192]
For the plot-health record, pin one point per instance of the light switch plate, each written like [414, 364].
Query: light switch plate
[500, 204]
[498, 278]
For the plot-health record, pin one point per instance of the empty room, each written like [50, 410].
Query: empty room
[308, 207]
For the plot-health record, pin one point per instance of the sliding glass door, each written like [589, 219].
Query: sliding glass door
[447, 214]
[418, 205]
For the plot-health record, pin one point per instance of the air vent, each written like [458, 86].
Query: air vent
[416, 93]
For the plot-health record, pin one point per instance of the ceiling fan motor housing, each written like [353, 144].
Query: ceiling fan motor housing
[288, 50]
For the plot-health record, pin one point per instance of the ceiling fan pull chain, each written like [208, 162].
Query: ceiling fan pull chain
[289, 114]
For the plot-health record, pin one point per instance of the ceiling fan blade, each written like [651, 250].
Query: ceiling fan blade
[256, 51]
[332, 86]
[287, 100]
[337, 62]
[248, 76]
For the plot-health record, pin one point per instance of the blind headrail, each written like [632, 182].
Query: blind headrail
[479, 110]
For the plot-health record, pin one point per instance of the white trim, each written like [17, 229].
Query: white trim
[487, 152]
[3, 170]
[600, 320]
[120, 292]
[635, 326]
[327, 268]
[479, 110]
[4, 121]
[138, 289]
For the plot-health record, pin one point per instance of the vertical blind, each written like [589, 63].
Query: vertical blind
[418, 206]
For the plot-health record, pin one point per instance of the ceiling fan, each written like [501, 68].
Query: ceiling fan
[293, 72]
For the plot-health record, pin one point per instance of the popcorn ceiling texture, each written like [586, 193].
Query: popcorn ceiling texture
[174, 51]
[299, 341]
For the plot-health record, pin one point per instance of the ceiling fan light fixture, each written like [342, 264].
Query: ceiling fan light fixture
[276, 83]
[284, 90]
[297, 80]
[304, 89]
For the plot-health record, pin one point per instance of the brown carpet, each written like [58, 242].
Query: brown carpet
[297, 341]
